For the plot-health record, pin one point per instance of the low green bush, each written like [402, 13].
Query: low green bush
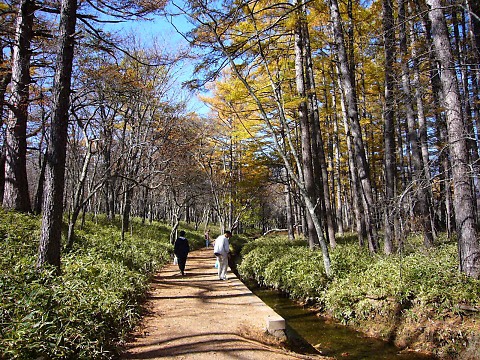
[430, 279]
[91, 307]
[285, 265]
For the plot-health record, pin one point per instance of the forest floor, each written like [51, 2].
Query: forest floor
[198, 316]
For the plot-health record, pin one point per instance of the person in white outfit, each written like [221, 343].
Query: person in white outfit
[221, 250]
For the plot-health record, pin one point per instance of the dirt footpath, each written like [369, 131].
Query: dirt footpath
[198, 316]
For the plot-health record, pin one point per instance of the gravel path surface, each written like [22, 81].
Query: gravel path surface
[198, 316]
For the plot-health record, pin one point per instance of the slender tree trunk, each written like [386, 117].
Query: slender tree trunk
[446, 206]
[37, 208]
[422, 127]
[469, 249]
[348, 87]
[389, 126]
[77, 203]
[109, 188]
[460, 55]
[335, 163]
[289, 208]
[127, 208]
[421, 183]
[337, 177]
[306, 133]
[16, 195]
[360, 224]
[144, 204]
[51, 230]
[5, 77]
[320, 163]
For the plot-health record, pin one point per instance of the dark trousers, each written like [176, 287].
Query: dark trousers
[181, 263]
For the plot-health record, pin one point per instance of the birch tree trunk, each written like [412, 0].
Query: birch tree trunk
[469, 249]
[51, 229]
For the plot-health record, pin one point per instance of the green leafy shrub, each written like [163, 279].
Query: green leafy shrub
[299, 272]
[258, 254]
[88, 310]
[362, 284]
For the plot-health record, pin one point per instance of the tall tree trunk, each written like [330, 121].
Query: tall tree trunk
[320, 163]
[356, 192]
[334, 163]
[348, 87]
[5, 78]
[51, 230]
[389, 126]
[16, 195]
[421, 183]
[337, 176]
[460, 54]
[306, 132]
[446, 206]
[422, 126]
[469, 248]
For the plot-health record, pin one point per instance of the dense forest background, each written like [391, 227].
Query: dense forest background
[326, 117]
[353, 125]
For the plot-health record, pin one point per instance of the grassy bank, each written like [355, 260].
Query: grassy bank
[87, 311]
[416, 299]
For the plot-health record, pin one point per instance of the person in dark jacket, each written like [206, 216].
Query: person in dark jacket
[181, 250]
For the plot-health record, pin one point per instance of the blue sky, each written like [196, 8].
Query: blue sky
[161, 31]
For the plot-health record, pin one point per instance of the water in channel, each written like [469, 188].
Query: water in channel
[307, 332]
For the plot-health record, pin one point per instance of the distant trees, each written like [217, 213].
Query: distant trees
[361, 122]
[230, 155]
[52, 105]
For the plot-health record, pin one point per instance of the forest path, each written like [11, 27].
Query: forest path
[198, 316]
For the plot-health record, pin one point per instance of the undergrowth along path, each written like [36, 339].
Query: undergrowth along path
[198, 316]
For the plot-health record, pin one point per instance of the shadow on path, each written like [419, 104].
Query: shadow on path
[198, 316]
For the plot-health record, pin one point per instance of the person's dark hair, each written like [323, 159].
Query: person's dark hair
[182, 233]
[229, 233]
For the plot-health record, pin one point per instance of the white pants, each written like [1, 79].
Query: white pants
[222, 266]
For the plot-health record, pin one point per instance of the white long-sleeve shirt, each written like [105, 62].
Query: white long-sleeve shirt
[222, 245]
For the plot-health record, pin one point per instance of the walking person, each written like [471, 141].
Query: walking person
[221, 250]
[207, 238]
[181, 250]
